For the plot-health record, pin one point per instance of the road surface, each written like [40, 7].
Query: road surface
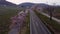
[36, 25]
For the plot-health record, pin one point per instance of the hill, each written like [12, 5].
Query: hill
[25, 5]
[6, 3]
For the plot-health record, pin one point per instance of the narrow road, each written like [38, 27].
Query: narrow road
[36, 25]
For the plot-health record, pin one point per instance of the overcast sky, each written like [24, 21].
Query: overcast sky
[36, 1]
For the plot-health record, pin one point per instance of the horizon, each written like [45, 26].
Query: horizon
[50, 2]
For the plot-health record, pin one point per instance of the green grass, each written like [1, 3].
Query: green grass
[28, 24]
[5, 14]
[52, 23]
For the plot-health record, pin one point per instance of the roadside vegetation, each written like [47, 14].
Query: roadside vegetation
[28, 24]
[5, 14]
[53, 26]
[26, 28]
[55, 12]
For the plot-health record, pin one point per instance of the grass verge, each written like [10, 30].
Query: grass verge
[26, 28]
[28, 24]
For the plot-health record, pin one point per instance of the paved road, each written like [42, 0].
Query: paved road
[36, 25]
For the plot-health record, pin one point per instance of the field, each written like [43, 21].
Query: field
[5, 14]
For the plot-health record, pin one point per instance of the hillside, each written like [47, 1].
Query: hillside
[25, 5]
[6, 3]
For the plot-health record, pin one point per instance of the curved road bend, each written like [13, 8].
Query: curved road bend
[36, 25]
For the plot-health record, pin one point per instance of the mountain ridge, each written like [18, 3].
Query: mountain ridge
[6, 3]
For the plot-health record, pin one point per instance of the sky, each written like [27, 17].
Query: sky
[51, 2]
